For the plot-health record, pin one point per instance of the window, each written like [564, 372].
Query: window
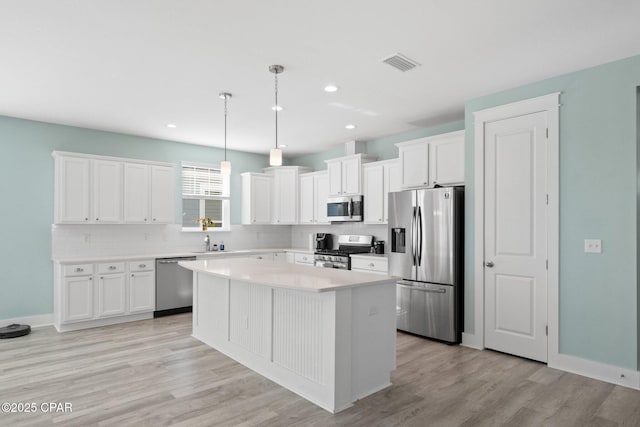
[205, 194]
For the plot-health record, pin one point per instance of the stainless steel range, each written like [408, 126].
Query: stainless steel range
[339, 258]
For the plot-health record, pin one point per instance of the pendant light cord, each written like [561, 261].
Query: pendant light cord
[225, 128]
[276, 108]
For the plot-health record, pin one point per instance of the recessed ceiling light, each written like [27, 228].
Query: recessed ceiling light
[171, 125]
[331, 88]
[277, 108]
[350, 126]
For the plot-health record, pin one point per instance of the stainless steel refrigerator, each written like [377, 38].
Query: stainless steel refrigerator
[426, 232]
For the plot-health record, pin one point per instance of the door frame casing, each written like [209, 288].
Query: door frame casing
[551, 105]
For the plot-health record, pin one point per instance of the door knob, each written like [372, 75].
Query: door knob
[489, 264]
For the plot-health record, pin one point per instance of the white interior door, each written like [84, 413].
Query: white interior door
[515, 252]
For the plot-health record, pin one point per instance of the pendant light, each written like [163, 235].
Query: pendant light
[275, 155]
[225, 166]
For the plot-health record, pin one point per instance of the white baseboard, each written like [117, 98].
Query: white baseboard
[596, 370]
[33, 321]
[66, 327]
[471, 340]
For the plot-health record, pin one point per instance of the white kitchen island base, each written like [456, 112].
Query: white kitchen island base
[331, 347]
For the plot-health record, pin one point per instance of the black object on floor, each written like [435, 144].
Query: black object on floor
[14, 330]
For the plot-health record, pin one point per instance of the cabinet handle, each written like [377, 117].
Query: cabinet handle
[101, 277]
[259, 257]
[112, 267]
[97, 219]
[78, 270]
[132, 275]
[145, 219]
[142, 265]
[371, 264]
[154, 219]
[86, 219]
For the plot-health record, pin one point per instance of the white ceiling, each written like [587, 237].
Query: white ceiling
[135, 66]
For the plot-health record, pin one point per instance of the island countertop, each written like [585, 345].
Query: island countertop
[284, 275]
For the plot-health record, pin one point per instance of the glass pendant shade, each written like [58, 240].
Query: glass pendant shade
[275, 157]
[225, 167]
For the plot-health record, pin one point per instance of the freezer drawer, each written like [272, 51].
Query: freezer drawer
[427, 309]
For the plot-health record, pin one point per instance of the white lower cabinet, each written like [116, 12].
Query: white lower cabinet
[142, 292]
[89, 295]
[78, 298]
[369, 264]
[303, 258]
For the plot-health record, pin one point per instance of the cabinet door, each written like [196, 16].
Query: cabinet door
[78, 298]
[307, 199]
[335, 177]
[107, 191]
[392, 177]
[72, 190]
[447, 161]
[162, 194]
[374, 194]
[136, 193]
[414, 161]
[142, 292]
[111, 295]
[351, 176]
[285, 184]
[321, 193]
[261, 199]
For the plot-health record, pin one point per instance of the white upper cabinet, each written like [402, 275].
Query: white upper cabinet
[162, 194]
[136, 193]
[307, 196]
[414, 163]
[256, 198]
[446, 157]
[285, 193]
[314, 191]
[345, 174]
[379, 178]
[107, 191]
[321, 194]
[435, 160]
[72, 191]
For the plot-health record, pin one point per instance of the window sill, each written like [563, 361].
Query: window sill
[209, 230]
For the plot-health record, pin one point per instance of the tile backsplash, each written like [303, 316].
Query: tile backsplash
[78, 241]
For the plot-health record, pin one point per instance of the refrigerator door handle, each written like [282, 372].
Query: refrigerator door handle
[419, 256]
[413, 236]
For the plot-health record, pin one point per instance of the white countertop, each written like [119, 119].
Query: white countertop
[211, 254]
[285, 275]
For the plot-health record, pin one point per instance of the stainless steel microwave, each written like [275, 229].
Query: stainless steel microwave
[345, 208]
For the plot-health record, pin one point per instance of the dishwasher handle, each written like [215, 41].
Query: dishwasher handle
[175, 260]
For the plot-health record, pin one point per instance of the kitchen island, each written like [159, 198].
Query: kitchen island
[327, 335]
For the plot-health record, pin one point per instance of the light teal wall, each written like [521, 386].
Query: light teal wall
[384, 148]
[598, 167]
[26, 180]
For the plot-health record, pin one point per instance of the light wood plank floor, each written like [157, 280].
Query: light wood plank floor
[153, 373]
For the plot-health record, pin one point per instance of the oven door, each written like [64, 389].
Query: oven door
[344, 208]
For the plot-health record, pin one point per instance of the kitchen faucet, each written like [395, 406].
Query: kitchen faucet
[207, 243]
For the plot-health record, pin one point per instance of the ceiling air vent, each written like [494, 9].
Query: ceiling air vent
[401, 62]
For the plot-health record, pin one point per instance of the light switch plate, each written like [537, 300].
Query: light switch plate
[593, 246]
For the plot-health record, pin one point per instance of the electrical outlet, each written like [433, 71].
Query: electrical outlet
[373, 310]
[593, 246]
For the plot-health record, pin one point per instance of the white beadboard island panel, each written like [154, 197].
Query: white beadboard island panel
[330, 343]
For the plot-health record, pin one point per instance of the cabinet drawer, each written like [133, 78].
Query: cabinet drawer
[78, 270]
[142, 265]
[111, 267]
[371, 264]
[303, 258]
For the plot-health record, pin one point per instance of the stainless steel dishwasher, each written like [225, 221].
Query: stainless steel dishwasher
[174, 287]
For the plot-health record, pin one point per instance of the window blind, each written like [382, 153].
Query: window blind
[200, 182]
